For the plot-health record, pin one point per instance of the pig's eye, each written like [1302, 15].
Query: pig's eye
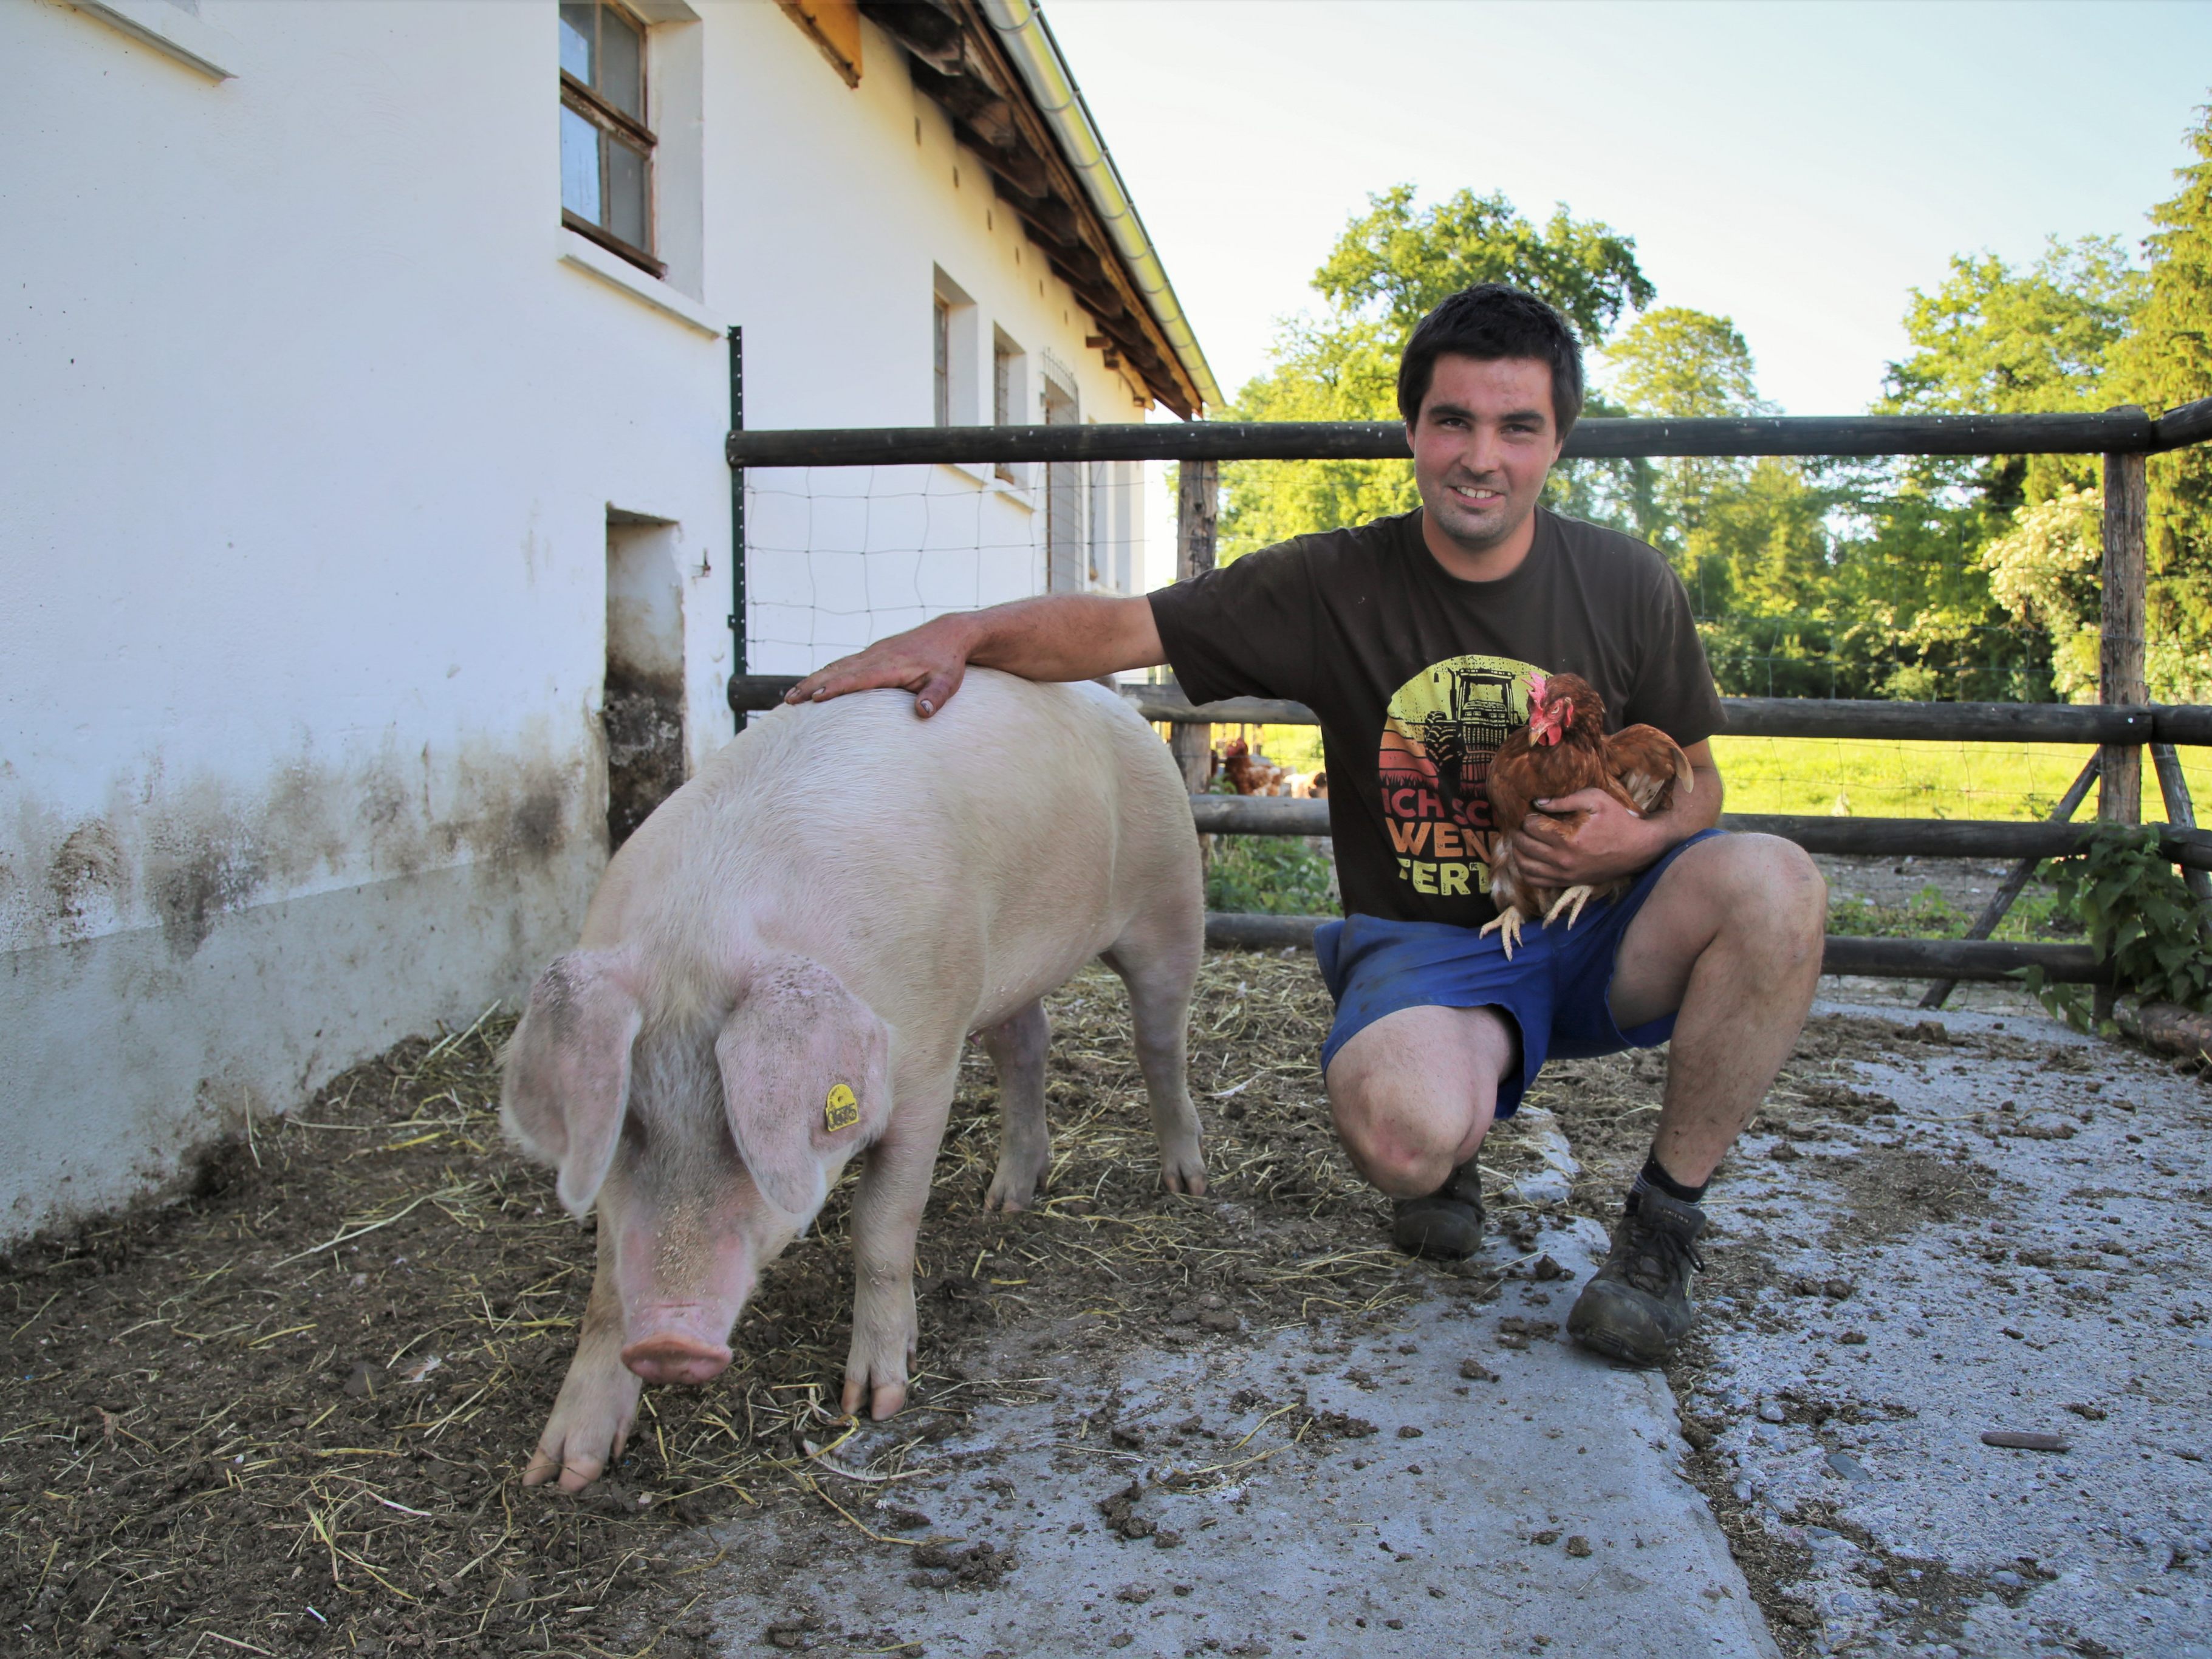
[634, 1134]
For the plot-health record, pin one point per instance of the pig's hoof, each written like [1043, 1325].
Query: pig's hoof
[884, 1400]
[589, 1426]
[563, 1452]
[1184, 1172]
[1013, 1189]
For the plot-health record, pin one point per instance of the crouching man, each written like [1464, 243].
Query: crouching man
[1414, 639]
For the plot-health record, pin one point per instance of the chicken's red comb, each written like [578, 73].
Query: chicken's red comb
[1536, 684]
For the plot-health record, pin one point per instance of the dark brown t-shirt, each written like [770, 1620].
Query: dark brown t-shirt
[1418, 676]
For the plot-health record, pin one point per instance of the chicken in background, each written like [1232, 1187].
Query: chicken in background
[1255, 775]
[1563, 749]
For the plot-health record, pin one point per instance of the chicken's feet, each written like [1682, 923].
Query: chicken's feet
[1579, 896]
[1507, 925]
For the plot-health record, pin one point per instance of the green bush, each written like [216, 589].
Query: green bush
[1270, 875]
[2140, 916]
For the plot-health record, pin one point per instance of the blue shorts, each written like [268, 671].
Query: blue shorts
[1554, 989]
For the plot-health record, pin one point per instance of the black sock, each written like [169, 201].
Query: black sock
[1654, 1178]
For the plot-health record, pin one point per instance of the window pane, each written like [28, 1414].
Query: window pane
[579, 166]
[576, 37]
[622, 65]
[626, 193]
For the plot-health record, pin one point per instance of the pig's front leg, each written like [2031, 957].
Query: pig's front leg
[886, 1218]
[1017, 1048]
[598, 1402]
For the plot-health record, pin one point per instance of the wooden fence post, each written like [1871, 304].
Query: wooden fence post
[2119, 798]
[1198, 501]
[2120, 658]
[2181, 813]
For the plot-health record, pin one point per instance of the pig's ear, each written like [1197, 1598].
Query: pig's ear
[568, 1071]
[806, 1078]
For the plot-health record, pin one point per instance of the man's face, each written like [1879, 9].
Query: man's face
[1482, 444]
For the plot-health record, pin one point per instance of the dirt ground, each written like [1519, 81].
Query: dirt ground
[286, 1410]
[287, 1406]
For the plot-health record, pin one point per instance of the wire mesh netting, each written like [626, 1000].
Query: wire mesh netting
[838, 556]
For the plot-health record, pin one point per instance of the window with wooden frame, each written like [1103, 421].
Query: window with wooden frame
[1007, 391]
[607, 148]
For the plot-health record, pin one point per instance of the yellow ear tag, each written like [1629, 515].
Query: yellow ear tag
[842, 1110]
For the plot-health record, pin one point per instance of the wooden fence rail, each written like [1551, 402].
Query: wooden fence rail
[2121, 723]
[2120, 431]
[1883, 958]
[1931, 838]
[1749, 717]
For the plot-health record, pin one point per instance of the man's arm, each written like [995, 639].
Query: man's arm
[1614, 841]
[1062, 636]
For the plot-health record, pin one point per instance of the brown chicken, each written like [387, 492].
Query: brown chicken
[1255, 775]
[1563, 748]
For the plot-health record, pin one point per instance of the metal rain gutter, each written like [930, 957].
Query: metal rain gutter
[1028, 40]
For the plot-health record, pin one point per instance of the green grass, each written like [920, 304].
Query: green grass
[1867, 779]
[1814, 776]
[1920, 780]
[1927, 914]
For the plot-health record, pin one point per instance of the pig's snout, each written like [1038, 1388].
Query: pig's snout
[675, 1356]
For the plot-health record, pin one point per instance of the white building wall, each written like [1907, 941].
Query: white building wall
[312, 434]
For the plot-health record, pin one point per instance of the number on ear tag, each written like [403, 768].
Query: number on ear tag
[842, 1110]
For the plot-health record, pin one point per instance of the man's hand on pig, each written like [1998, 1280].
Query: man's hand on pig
[1061, 636]
[930, 661]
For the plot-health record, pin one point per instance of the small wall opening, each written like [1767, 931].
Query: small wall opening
[642, 705]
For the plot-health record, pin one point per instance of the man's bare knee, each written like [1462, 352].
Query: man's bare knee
[1398, 1143]
[1759, 888]
[1781, 898]
[1413, 1093]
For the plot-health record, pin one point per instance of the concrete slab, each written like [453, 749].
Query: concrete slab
[1317, 1493]
[2023, 1245]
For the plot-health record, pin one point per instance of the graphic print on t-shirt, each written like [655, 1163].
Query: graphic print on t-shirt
[1438, 735]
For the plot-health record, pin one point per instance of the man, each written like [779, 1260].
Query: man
[1414, 639]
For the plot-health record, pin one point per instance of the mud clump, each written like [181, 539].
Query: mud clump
[980, 1566]
[1120, 1510]
[1338, 1425]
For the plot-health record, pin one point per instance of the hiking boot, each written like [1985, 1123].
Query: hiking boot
[1637, 1306]
[1447, 1224]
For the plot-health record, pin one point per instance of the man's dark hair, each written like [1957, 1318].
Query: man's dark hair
[1487, 322]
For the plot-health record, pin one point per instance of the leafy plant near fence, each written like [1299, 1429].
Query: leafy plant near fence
[1929, 914]
[1268, 875]
[2140, 917]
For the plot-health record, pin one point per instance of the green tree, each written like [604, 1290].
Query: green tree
[2044, 571]
[1396, 262]
[2166, 362]
[1993, 340]
[1391, 264]
[1677, 363]
[1684, 364]
[1917, 614]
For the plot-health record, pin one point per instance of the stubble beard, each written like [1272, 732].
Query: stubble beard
[1475, 531]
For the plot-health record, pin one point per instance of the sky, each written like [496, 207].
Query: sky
[1798, 167]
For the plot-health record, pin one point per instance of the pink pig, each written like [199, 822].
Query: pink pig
[780, 969]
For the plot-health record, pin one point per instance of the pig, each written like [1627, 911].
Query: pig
[781, 968]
